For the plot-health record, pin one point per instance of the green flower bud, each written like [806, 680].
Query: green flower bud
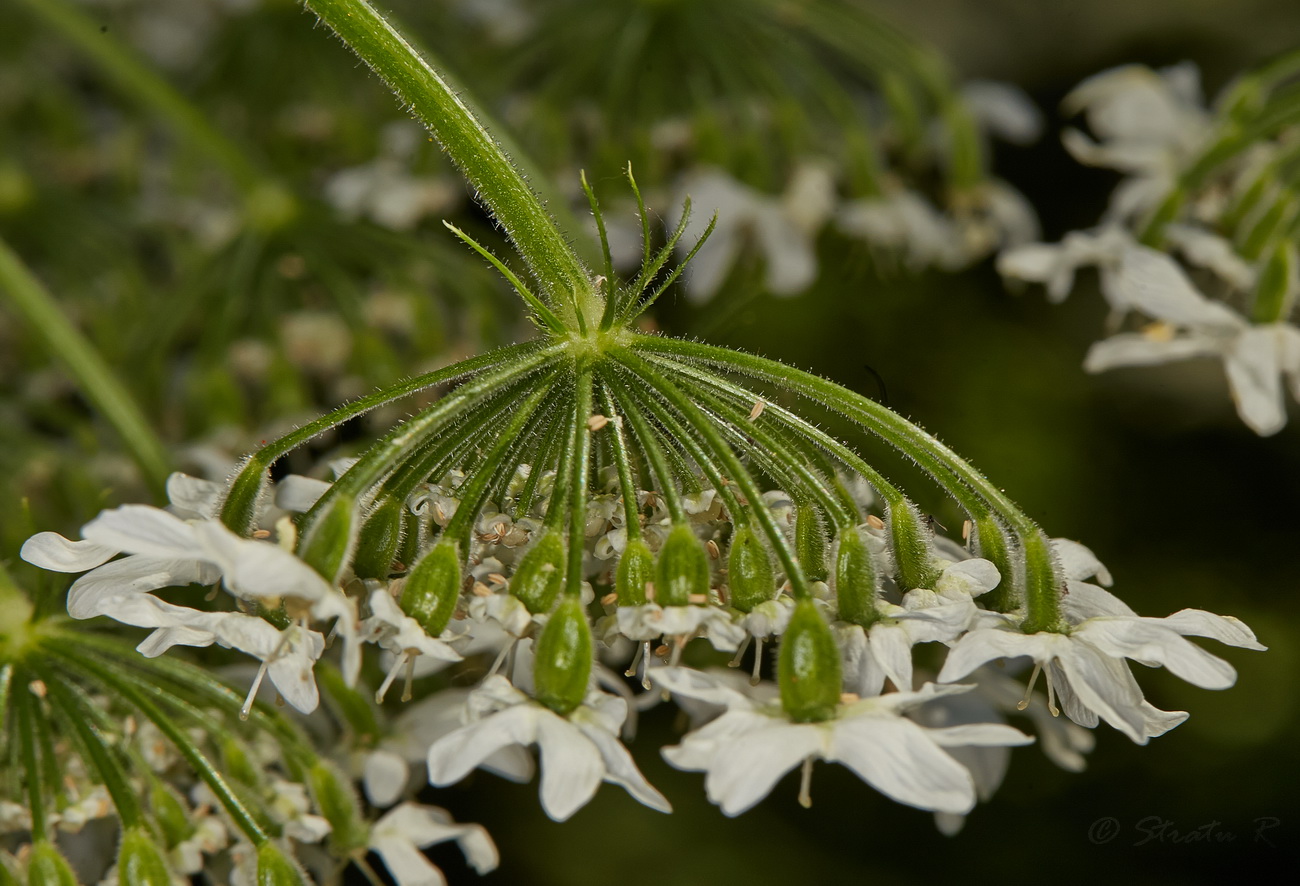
[636, 569]
[337, 803]
[235, 762]
[326, 543]
[432, 588]
[991, 544]
[810, 543]
[749, 570]
[540, 573]
[46, 866]
[348, 705]
[1042, 587]
[275, 868]
[170, 813]
[856, 581]
[911, 540]
[1275, 292]
[683, 568]
[380, 537]
[562, 666]
[808, 669]
[140, 860]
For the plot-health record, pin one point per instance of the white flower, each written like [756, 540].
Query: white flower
[578, 751]
[164, 550]
[1255, 356]
[1054, 265]
[398, 837]
[384, 189]
[906, 223]
[1086, 666]
[747, 750]
[782, 228]
[650, 621]
[1003, 110]
[926, 616]
[398, 633]
[1148, 123]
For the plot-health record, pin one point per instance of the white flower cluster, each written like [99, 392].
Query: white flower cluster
[937, 741]
[1224, 281]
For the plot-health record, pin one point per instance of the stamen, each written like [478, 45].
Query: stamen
[735, 662]
[410, 675]
[758, 661]
[642, 649]
[501, 657]
[645, 665]
[388, 679]
[1033, 678]
[252, 693]
[679, 644]
[805, 784]
[1051, 695]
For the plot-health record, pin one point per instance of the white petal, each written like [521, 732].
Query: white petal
[892, 648]
[619, 768]
[978, 735]
[384, 776]
[136, 573]
[571, 766]
[971, 577]
[141, 529]
[1255, 378]
[746, 769]
[895, 757]
[407, 864]
[453, 756]
[1224, 628]
[49, 550]
[1136, 349]
[981, 646]
[1084, 601]
[1079, 562]
[1153, 283]
[1149, 642]
[699, 685]
[1102, 685]
[1004, 110]
[193, 497]
[258, 568]
[425, 826]
[297, 493]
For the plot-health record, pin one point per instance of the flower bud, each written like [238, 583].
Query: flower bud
[140, 860]
[808, 669]
[856, 580]
[170, 813]
[275, 868]
[337, 803]
[749, 570]
[991, 544]
[683, 568]
[636, 569]
[235, 762]
[810, 543]
[432, 588]
[562, 667]
[540, 573]
[910, 537]
[46, 866]
[328, 539]
[380, 537]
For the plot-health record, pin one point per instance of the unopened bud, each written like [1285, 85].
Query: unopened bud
[562, 667]
[170, 813]
[540, 573]
[856, 580]
[140, 860]
[991, 544]
[808, 669]
[636, 569]
[338, 804]
[277, 868]
[328, 539]
[683, 568]
[910, 537]
[432, 588]
[46, 866]
[810, 543]
[379, 539]
[749, 570]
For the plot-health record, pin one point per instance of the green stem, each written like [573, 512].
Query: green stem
[432, 99]
[239, 512]
[201, 765]
[578, 483]
[23, 704]
[622, 458]
[700, 423]
[76, 714]
[34, 304]
[654, 453]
